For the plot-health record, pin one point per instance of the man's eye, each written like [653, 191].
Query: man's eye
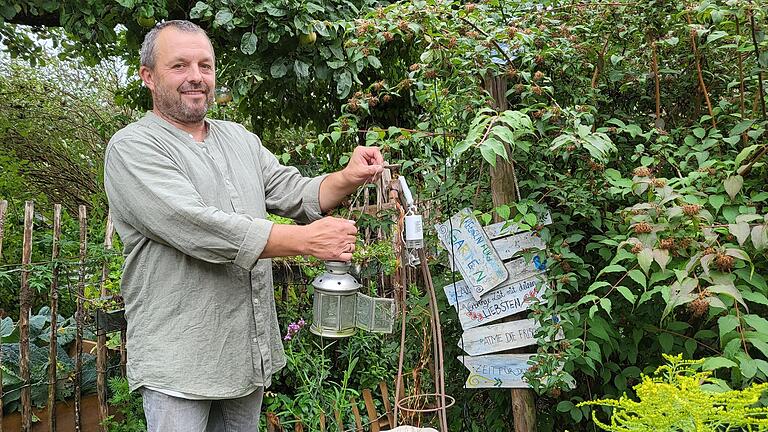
[207, 66]
[177, 66]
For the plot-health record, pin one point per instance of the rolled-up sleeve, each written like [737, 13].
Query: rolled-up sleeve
[148, 191]
[288, 193]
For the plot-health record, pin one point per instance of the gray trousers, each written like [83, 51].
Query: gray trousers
[171, 414]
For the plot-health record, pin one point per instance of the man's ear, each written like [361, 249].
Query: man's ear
[147, 77]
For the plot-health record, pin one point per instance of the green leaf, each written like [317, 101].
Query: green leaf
[667, 341]
[740, 231]
[343, 84]
[733, 185]
[279, 68]
[759, 237]
[727, 324]
[301, 69]
[638, 277]
[374, 62]
[624, 291]
[605, 303]
[741, 127]
[716, 201]
[565, 406]
[248, 43]
[223, 17]
[712, 363]
[757, 322]
[613, 268]
[645, 259]
[699, 132]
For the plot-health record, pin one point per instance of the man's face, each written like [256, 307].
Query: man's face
[183, 79]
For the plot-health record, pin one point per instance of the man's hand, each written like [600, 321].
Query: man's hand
[331, 238]
[365, 165]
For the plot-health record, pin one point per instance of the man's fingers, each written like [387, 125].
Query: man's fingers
[345, 257]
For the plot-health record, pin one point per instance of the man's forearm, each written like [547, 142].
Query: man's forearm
[334, 189]
[285, 241]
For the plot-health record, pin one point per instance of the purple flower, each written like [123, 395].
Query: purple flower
[293, 329]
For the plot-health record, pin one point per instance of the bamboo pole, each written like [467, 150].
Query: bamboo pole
[82, 217]
[53, 355]
[3, 208]
[101, 342]
[25, 300]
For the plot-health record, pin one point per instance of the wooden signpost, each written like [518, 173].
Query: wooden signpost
[476, 258]
[518, 270]
[500, 303]
[497, 370]
[499, 337]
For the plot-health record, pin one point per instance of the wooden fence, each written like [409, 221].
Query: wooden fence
[25, 303]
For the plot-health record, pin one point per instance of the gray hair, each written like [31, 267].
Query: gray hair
[147, 53]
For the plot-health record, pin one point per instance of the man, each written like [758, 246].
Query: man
[189, 197]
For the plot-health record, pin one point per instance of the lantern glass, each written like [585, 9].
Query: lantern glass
[335, 302]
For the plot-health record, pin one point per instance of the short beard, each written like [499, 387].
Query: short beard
[171, 104]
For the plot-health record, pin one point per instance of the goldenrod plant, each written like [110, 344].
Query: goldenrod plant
[677, 398]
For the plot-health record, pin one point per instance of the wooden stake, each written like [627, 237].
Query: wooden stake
[79, 315]
[25, 300]
[3, 208]
[387, 404]
[373, 417]
[322, 422]
[101, 342]
[339, 423]
[54, 294]
[356, 413]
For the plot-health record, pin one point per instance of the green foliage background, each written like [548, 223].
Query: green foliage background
[640, 126]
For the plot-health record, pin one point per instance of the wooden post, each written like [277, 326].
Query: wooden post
[25, 300]
[101, 342]
[387, 404]
[339, 422]
[53, 355]
[356, 413]
[3, 208]
[79, 315]
[504, 190]
[373, 417]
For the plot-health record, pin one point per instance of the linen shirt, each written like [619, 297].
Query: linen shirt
[198, 300]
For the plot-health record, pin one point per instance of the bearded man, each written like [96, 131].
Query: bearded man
[189, 197]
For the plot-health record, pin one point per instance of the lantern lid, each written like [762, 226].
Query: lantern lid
[336, 279]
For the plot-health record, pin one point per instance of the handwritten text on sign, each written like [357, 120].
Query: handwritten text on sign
[477, 260]
[499, 337]
[499, 303]
[518, 270]
[497, 370]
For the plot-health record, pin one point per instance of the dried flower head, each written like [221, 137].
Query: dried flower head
[643, 228]
[659, 183]
[724, 262]
[539, 75]
[512, 31]
[470, 7]
[537, 90]
[667, 243]
[430, 74]
[642, 171]
[388, 36]
[414, 67]
[698, 307]
[373, 101]
[637, 248]
[691, 209]
[353, 104]
[386, 98]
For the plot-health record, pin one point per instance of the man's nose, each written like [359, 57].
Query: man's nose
[194, 74]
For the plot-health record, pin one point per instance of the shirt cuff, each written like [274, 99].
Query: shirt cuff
[254, 243]
[311, 198]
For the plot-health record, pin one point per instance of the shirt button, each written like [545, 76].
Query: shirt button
[255, 339]
[256, 302]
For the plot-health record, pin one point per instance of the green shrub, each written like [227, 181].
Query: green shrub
[679, 398]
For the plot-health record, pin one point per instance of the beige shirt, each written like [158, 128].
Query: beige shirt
[199, 303]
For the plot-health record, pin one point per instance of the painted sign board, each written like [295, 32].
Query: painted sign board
[506, 228]
[496, 370]
[500, 337]
[476, 258]
[518, 270]
[499, 303]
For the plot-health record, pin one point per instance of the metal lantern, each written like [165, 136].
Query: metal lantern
[335, 301]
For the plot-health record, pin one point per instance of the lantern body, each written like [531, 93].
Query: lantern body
[335, 302]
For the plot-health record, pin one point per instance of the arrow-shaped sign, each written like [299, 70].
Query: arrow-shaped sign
[496, 370]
